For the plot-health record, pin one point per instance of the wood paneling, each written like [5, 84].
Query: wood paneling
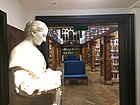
[15, 36]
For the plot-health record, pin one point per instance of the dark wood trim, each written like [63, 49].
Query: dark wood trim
[60, 21]
[127, 61]
[4, 80]
[126, 47]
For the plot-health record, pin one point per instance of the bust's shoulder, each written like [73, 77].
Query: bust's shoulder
[21, 47]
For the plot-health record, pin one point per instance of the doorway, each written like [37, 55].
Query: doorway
[125, 24]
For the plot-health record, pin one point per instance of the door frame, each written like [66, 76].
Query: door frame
[4, 80]
[125, 24]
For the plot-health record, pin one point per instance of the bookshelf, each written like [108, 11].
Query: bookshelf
[97, 55]
[115, 59]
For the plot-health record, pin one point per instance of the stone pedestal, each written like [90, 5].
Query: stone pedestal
[52, 97]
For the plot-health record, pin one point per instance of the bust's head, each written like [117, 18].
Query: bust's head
[37, 30]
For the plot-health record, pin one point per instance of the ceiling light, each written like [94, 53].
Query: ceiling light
[54, 3]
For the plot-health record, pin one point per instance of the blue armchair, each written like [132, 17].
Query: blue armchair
[71, 57]
[75, 70]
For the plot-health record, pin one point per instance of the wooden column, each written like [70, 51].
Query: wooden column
[83, 53]
[57, 55]
[60, 55]
[54, 61]
[93, 47]
[86, 54]
[107, 61]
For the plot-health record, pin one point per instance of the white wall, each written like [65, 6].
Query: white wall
[16, 13]
[136, 11]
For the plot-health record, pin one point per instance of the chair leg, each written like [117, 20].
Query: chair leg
[86, 81]
[64, 82]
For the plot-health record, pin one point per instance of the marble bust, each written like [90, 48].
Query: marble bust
[28, 64]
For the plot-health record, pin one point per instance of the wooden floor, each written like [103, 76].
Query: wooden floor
[95, 93]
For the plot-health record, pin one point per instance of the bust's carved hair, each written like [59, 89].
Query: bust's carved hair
[34, 26]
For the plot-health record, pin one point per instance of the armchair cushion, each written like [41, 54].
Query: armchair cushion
[71, 57]
[76, 76]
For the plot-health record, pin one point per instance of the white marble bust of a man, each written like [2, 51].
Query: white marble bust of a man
[31, 75]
